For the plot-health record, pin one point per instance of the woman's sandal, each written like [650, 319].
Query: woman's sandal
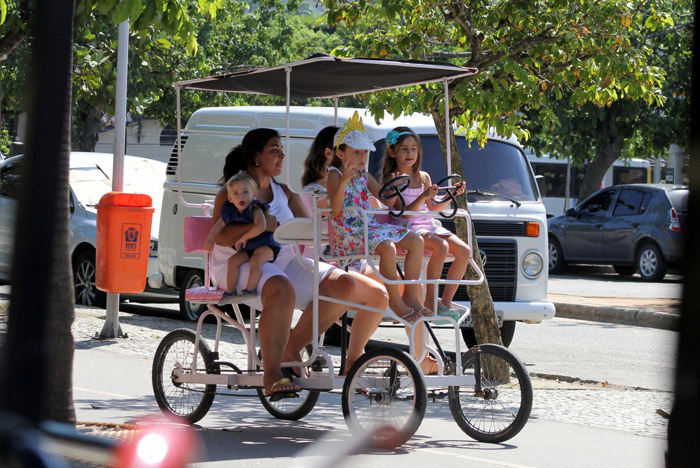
[434, 367]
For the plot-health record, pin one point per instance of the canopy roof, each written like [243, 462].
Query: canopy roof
[326, 76]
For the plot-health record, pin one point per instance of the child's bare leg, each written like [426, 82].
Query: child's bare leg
[261, 255]
[387, 267]
[438, 248]
[234, 266]
[412, 243]
[461, 252]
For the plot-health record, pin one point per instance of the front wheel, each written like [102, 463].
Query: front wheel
[499, 404]
[651, 263]
[84, 274]
[188, 310]
[186, 400]
[384, 388]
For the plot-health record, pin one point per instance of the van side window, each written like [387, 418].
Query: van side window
[628, 203]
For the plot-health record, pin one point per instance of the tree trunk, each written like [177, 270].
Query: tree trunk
[41, 303]
[483, 313]
[606, 155]
[85, 129]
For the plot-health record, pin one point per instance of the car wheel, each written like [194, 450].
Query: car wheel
[624, 270]
[189, 311]
[556, 256]
[651, 263]
[84, 271]
[507, 332]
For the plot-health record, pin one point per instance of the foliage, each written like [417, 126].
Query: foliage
[526, 52]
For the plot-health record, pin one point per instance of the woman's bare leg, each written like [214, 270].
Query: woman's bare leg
[371, 293]
[277, 297]
[338, 285]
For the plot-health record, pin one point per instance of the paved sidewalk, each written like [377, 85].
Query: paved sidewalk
[643, 312]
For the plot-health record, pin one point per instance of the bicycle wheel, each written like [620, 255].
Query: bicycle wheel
[291, 409]
[384, 388]
[498, 407]
[186, 400]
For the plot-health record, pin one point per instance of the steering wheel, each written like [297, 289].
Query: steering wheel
[449, 193]
[393, 188]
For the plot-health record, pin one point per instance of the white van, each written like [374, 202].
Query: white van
[508, 214]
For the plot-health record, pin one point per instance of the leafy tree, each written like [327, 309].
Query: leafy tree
[525, 51]
[43, 213]
[596, 135]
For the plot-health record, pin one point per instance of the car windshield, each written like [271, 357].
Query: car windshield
[497, 167]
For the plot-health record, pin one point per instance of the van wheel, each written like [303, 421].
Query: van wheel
[556, 256]
[84, 274]
[651, 263]
[189, 311]
[507, 332]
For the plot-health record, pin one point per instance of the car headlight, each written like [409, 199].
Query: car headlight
[532, 264]
[153, 248]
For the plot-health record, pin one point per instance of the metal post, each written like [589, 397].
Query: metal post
[111, 328]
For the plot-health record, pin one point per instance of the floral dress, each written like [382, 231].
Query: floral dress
[419, 223]
[348, 225]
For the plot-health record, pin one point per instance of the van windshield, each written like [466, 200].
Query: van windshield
[497, 167]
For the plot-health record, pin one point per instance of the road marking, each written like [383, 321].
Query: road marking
[479, 459]
[100, 392]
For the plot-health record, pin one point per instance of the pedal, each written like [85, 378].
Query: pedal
[435, 394]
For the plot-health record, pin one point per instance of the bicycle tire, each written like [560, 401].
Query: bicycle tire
[384, 387]
[188, 401]
[501, 408]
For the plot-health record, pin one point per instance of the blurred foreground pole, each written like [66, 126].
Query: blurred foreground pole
[111, 328]
[683, 423]
[37, 361]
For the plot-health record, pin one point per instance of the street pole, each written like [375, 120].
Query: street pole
[111, 328]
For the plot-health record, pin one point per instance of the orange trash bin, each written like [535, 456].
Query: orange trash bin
[123, 242]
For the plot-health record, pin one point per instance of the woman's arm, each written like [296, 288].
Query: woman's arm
[296, 204]
[255, 228]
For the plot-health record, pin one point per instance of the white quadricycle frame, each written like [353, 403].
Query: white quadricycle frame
[489, 390]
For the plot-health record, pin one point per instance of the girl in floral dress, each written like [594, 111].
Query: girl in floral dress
[404, 155]
[349, 184]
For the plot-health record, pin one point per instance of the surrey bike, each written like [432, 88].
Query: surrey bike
[489, 390]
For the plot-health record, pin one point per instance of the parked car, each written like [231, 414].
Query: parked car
[90, 177]
[634, 228]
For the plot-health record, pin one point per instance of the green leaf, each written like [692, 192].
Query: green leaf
[3, 11]
[121, 12]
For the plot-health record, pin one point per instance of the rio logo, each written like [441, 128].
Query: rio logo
[130, 242]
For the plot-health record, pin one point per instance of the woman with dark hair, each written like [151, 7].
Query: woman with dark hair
[286, 284]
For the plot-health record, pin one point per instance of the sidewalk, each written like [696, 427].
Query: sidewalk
[642, 312]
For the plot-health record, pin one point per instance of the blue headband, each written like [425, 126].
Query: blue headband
[393, 136]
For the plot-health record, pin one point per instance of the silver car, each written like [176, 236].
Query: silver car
[633, 227]
[90, 177]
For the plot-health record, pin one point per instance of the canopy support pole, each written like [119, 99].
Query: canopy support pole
[288, 73]
[448, 133]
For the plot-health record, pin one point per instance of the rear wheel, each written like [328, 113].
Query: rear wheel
[188, 310]
[291, 409]
[556, 257]
[507, 333]
[499, 404]
[651, 263]
[384, 388]
[187, 400]
[84, 274]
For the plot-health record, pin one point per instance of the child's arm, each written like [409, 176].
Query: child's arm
[255, 228]
[432, 206]
[336, 185]
[215, 230]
